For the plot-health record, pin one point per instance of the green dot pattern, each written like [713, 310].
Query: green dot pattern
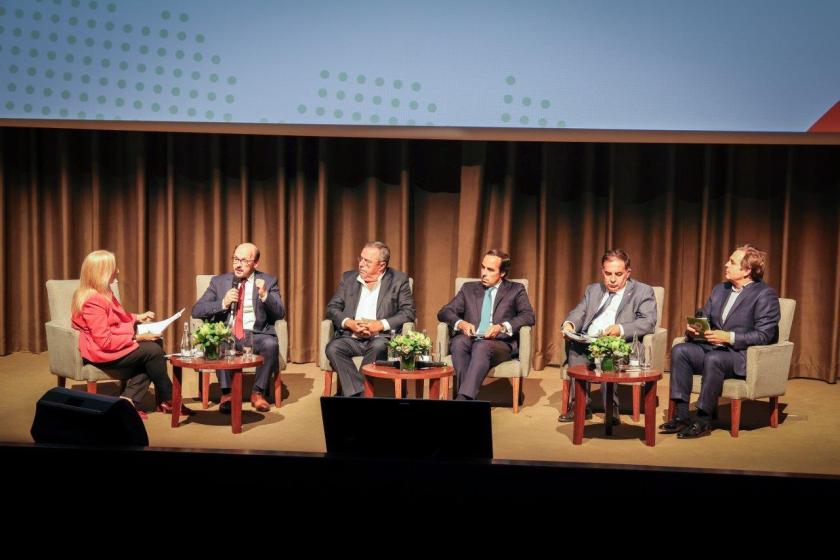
[105, 75]
[520, 109]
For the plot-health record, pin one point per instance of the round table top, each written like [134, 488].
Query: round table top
[238, 362]
[386, 372]
[637, 376]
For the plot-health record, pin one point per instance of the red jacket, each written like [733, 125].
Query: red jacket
[106, 330]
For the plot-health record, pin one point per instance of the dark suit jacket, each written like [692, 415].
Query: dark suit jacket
[754, 318]
[511, 305]
[636, 312]
[209, 305]
[395, 303]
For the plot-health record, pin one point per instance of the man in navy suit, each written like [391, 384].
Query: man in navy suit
[488, 315]
[369, 302]
[248, 300]
[743, 311]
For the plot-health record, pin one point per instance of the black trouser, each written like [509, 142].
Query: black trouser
[340, 352]
[265, 345]
[473, 359]
[144, 365]
[716, 364]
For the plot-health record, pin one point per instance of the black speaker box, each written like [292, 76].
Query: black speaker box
[79, 418]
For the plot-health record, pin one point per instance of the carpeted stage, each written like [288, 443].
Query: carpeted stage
[533, 454]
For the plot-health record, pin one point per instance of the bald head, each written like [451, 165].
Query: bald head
[245, 259]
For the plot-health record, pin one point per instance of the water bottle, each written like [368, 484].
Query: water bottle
[392, 354]
[186, 344]
[636, 352]
[425, 357]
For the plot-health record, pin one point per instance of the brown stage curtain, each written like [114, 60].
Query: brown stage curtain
[174, 205]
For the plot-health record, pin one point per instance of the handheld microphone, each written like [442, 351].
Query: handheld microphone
[235, 304]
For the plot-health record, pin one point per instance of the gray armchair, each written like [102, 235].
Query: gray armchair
[767, 373]
[282, 328]
[514, 369]
[63, 339]
[655, 344]
[326, 334]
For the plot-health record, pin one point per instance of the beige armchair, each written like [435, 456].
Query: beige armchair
[282, 328]
[655, 344]
[63, 339]
[326, 334]
[514, 369]
[767, 373]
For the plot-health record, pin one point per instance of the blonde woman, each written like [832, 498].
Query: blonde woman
[107, 336]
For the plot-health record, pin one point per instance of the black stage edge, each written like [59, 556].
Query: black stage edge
[323, 479]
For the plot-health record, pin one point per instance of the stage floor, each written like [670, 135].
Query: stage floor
[807, 440]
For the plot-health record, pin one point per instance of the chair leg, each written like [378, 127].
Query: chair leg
[91, 387]
[205, 389]
[672, 409]
[637, 400]
[61, 381]
[327, 383]
[517, 384]
[735, 420]
[564, 399]
[278, 391]
[774, 412]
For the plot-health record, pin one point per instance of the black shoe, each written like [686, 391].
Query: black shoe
[616, 419]
[674, 425]
[695, 430]
[570, 416]
[224, 406]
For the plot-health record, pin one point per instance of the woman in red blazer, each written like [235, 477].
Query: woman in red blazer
[107, 338]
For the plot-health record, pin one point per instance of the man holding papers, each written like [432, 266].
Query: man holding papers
[248, 300]
[487, 315]
[617, 306]
[743, 311]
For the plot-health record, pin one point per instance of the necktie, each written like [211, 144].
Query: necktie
[601, 310]
[486, 311]
[238, 329]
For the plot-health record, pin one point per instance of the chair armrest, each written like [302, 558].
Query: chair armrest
[678, 340]
[442, 339]
[407, 328]
[525, 350]
[63, 348]
[767, 369]
[281, 327]
[657, 344]
[324, 336]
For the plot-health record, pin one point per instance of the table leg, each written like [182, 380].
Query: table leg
[444, 389]
[236, 403]
[650, 413]
[610, 389]
[418, 389]
[398, 392]
[435, 392]
[176, 395]
[580, 411]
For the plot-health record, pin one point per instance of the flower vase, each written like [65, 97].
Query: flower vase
[608, 363]
[211, 352]
[408, 363]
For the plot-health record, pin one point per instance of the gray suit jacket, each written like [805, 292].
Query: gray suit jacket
[511, 305]
[209, 305]
[395, 303]
[636, 312]
[754, 318]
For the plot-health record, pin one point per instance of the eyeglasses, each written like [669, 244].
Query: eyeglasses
[367, 261]
[237, 260]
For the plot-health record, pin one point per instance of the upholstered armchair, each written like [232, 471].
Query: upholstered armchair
[767, 373]
[282, 328]
[514, 370]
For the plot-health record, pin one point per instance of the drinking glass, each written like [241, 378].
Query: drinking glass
[248, 346]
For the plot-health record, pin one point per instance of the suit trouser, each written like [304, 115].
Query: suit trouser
[473, 359]
[343, 348]
[264, 345]
[576, 354]
[144, 365]
[715, 363]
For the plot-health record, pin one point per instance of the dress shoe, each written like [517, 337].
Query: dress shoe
[259, 403]
[616, 417]
[141, 414]
[570, 416]
[695, 430]
[166, 408]
[674, 425]
[224, 404]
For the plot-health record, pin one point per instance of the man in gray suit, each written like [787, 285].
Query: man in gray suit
[488, 315]
[618, 306]
[742, 312]
[369, 302]
[248, 300]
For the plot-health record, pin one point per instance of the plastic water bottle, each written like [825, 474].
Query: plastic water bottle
[186, 344]
[636, 352]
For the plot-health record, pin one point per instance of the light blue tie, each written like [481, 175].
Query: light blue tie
[486, 311]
